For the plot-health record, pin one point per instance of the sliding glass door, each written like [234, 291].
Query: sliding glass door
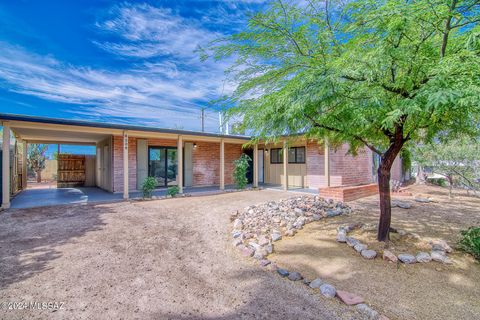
[162, 165]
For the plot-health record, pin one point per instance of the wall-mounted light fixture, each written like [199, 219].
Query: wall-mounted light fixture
[194, 146]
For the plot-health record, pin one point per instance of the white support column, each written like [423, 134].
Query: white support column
[285, 165]
[6, 166]
[125, 165]
[180, 163]
[25, 164]
[222, 164]
[327, 163]
[255, 166]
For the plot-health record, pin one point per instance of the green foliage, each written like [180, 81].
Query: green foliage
[363, 72]
[457, 160]
[438, 181]
[148, 186]
[36, 157]
[406, 160]
[470, 241]
[240, 171]
[173, 191]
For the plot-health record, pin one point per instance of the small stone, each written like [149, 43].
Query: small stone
[369, 254]
[349, 298]
[359, 247]
[439, 256]
[263, 241]
[342, 236]
[407, 258]
[295, 276]
[334, 212]
[276, 236]
[283, 272]
[367, 311]
[272, 267]
[352, 241]
[328, 290]
[423, 200]
[441, 245]
[237, 242]
[265, 262]
[290, 233]
[298, 211]
[260, 254]
[423, 257]
[315, 284]
[238, 224]
[389, 256]
[237, 234]
[268, 248]
[247, 252]
[316, 217]
[254, 245]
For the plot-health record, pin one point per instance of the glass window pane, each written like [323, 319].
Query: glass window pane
[291, 155]
[301, 155]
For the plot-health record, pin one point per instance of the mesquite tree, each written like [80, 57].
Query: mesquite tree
[36, 159]
[380, 74]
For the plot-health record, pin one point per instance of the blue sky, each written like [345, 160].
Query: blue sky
[122, 62]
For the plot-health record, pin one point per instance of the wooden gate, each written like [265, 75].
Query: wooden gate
[71, 171]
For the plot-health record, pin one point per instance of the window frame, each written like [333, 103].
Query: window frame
[296, 155]
[280, 156]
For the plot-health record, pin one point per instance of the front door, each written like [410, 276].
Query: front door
[162, 165]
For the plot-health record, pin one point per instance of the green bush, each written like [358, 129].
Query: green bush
[438, 181]
[470, 241]
[240, 171]
[173, 191]
[148, 186]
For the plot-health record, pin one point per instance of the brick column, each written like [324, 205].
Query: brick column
[6, 166]
[285, 166]
[180, 164]
[125, 165]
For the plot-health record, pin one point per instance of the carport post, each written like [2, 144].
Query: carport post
[327, 163]
[6, 166]
[285, 165]
[180, 164]
[125, 165]
[255, 166]
[25, 164]
[222, 164]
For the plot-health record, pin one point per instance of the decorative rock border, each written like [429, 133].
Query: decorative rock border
[256, 228]
[440, 248]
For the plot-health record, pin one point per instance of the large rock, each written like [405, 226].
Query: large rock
[342, 236]
[367, 311]
[315, 284]
[439, 256]
[352, 241]
[283, 272]
[276, 235]
[369, 254]
[260, 254]
[349, 298]
[389, 256]
[401, 204]
[423, 257]
[359, 247]
[328, 290]
[294, 276]
[263, 240]
[407, 258]
[441, 245]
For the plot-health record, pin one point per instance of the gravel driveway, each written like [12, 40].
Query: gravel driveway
[167, 259]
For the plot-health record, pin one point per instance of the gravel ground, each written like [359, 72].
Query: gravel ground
[419, 291]
[166, 259]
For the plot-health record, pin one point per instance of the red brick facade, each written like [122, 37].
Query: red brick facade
[118, 164]
[351, 193]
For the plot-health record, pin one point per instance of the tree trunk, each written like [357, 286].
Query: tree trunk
[450, 186]
[386, 163]
[420, 178]
[39, 176]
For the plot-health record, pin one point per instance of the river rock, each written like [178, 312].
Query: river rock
[423, 257]
[407, 258]
[328, 290]
[369, 254]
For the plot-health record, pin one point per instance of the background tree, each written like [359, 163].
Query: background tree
[36, 159]
[380, 74]
[457, 160]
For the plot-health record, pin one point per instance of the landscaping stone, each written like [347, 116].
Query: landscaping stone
[247, 252]
[401, 204]
[369, 254]
[349, 298]
[423, 257]
[315, 284]
[367, 311]
[423, 200]
[328, 290]
[342, 236]
[389, 256]
[269, 248]
[283, 272]
[263, 241]
[265, 262]
[238, 224]
[352, 241]
[334, 212]
[439, 256]
[237, 234]
[441, 245]
[276, 235]
[237, 242]
[272, 267]
[290, 233]
[407, 258]
[260, 254]
[359, 247]
[295, 276]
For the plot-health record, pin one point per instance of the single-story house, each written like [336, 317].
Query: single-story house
[126, 155]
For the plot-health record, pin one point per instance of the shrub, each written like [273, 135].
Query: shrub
[438, 181]
[148, 186]
[240, 171]
[173, 191]
[470, 241]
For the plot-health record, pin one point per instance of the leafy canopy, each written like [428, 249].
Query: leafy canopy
[363, 72]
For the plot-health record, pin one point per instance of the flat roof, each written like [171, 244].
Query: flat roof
[81, 123]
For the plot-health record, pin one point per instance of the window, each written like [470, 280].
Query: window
[276, 156]
[296, 155]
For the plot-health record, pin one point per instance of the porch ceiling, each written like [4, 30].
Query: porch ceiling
[41, 135]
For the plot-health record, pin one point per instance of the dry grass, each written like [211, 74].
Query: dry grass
[420, 291]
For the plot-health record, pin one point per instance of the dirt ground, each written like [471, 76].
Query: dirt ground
[165, 259]
[419, 291]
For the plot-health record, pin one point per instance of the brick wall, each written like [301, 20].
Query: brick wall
[356, 170]
[206, 164]
[118, 163]
[396, 171]
[349, 193]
